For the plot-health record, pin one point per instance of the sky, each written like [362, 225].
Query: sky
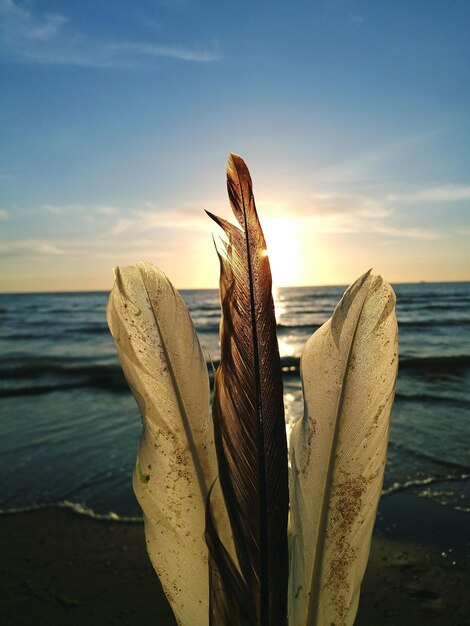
[117, 116]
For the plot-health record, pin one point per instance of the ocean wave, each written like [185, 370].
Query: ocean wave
[313, 326]
[422, 482]
[208, 312]
[11, 392]
[203, 307]
[41, 331]
[207, 329]
[302, 327]
[433, 296]
[74, 507]
[61, 374]
[214, 328]
[432, 399]
[110, 516]
[102, 377]
[443, 321]
[458, 468]
[91, 329]
[444, 364]
[65, 374]
[431, 306]
[69, 310]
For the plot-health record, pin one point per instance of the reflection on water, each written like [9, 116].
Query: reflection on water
[279, 304]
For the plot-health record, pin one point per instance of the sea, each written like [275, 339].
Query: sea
[69, 426]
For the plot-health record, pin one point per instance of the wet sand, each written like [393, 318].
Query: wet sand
[57, 567]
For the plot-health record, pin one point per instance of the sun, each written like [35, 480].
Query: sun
[283, 249]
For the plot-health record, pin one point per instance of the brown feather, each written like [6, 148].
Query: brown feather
[248, 408]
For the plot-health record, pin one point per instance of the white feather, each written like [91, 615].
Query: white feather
[338, 453]
[176, 464]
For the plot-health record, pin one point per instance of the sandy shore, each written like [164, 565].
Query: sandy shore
[57, 567]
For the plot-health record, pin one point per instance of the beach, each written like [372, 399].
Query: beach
[59, 567]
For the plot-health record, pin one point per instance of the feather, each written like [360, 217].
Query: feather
[248, 411]
[176, 462]
[338, 451]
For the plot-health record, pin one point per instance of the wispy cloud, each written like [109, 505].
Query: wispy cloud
[30, 248]
[353, 214]
[363, 225]
[348, 204]
[366, 166]
[138, 222]
[382, 215]
[356, 19]
[39, 248]
[68, 209]
[443, 193]
[107, 210]
[3, 214]
[407, 232]
[152, 232]
[96, 247]
[113, 232]
[57, 209]
[349, 214]
[150, 216]
[51, 39]
[121, 226]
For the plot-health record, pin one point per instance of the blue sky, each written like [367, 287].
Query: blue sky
[117, 116]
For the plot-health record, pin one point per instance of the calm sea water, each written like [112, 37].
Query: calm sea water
[69, 426]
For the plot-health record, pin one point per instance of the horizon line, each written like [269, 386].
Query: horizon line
[107, 290]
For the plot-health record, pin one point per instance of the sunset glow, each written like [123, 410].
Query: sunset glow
[283, 248]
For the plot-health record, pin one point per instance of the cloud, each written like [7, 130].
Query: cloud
[110, 248]
[135, 221]
[30, 248]
[107, 210]
[356, 19]
[51, 39]
[150, 232]
[353, 214]
[60, 210]
[37, 248]
[359, 225]
[349, 213]
[121, 226]
[444, 193]
[408, 233]
[138, 222]
[87, 211]
[342, 204]
[365, 167]
[346, 214]
[49, 250]
[4, 214]
[133, 233]
[333, 213]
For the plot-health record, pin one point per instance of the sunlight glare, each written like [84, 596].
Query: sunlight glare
[285, 348]
[279, 303]
[282, 244]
